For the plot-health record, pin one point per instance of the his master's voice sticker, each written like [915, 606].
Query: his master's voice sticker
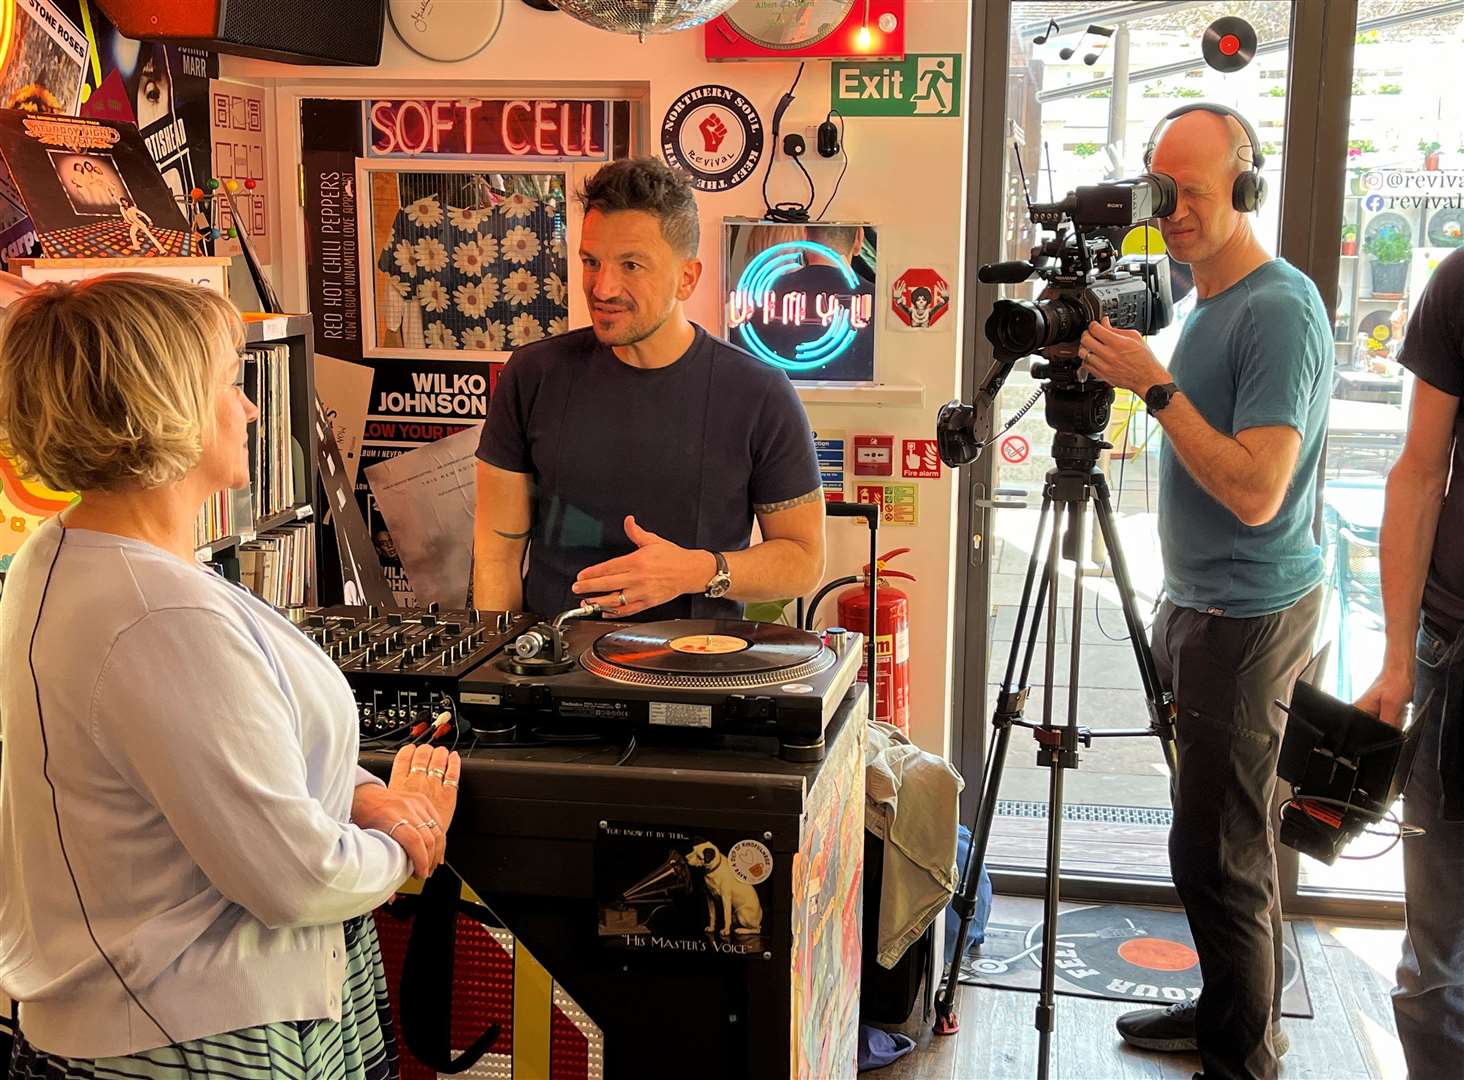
[671, 889]
[714, 135]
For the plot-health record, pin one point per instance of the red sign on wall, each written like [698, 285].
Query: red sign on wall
[920, 459]
[520, 128]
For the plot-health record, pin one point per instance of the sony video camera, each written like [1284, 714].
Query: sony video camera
[1087, 280]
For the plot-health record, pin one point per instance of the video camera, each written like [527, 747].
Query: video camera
[1087, 280]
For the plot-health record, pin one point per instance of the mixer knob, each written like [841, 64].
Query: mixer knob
[316, 620]
[503, 622]
[394, 618]
[454, 628]
[474, 615]
[430, 619]
[373, 611]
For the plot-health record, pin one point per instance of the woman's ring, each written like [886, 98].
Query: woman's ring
[439, 773]
[428, 824]
[397, 826]
[416, 769]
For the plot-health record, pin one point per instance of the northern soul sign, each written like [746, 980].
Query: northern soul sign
[714, 135]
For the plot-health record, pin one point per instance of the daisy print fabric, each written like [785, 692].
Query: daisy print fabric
[481, 256]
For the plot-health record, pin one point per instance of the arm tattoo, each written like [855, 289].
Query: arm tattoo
[788, 504]
[514, 535]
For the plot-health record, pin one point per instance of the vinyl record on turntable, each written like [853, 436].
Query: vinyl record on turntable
[1228, 44]
[707, 647]
[793, 25]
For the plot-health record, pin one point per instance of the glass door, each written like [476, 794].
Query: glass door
[1081, 104]
[1403, 211]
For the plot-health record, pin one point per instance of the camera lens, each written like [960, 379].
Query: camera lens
[1017, 326]
[1163, 193]
[1021, 327]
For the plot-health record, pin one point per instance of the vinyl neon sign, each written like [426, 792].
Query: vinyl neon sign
[543, 129]
[756, 302]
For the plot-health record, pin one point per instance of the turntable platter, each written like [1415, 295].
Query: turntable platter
[788, 24]
[706, 652]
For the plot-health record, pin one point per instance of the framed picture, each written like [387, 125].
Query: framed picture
[458, 258]
[801, 297]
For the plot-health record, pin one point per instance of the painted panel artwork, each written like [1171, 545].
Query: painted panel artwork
[467, 261]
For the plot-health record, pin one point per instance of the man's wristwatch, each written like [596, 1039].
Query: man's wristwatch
[721, 583]
[1159, 395]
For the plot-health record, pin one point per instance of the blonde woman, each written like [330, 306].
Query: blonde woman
[188, 849]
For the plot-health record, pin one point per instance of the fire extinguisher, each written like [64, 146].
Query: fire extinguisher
[892, 639]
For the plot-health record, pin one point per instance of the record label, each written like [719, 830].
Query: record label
[708, 644]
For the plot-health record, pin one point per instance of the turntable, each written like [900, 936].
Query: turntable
[716, 677]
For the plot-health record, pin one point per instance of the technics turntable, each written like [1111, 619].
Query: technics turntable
[721, 677]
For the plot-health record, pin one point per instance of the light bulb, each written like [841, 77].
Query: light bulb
[864, 38]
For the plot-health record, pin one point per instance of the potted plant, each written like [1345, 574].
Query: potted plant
[1430, 151]
[1349, 239]
[1389, 251]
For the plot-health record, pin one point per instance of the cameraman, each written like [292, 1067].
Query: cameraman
[1244, 409]
[1424, 511]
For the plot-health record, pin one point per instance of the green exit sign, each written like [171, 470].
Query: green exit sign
[923, 84]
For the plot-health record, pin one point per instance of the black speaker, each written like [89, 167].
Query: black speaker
[288, 31]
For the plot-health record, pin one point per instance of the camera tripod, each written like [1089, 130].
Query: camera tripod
[1070, 486]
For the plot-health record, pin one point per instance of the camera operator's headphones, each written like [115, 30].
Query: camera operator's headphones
[1249, 191]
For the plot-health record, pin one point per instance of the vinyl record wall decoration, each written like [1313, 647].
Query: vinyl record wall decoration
[1228, 44]
[446, 32]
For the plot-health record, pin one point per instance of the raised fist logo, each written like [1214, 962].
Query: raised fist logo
[713, 132]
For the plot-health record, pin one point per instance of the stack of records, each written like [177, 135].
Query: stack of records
[271, 471]
[266, 379]
[279, 565]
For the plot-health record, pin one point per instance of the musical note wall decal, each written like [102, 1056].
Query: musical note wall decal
[1051, 28]
[1103, 34]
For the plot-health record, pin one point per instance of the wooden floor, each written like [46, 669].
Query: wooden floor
[1349, 970]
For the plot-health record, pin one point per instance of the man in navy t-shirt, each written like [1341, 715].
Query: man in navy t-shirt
[1244, 411]
[632, 456]
[1422, 558]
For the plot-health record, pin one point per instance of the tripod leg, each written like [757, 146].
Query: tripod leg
[1161, 702]
[1059, 753]
[1008, 709]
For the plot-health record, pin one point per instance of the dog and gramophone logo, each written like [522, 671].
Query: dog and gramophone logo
[669, 889]
[714, 135]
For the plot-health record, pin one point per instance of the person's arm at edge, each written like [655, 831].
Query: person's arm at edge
[1415, 494]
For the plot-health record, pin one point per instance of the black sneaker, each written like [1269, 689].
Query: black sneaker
[1172, 1030]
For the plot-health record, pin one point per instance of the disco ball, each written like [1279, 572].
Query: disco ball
[644, 17]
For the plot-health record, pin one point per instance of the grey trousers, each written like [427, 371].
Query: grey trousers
[1428, 1003]
[1224, 674]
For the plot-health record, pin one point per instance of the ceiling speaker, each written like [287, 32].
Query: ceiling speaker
[288, 31]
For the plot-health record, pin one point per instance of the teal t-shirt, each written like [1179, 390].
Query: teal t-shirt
[1258, 354]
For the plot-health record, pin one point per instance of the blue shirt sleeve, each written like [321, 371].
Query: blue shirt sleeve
[1279, 362]
[505, 439]
[784, 464]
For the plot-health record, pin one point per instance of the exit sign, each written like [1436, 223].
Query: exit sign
[923, 84]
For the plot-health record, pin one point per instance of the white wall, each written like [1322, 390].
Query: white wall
[905, 175]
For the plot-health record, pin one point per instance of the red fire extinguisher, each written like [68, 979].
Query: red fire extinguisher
[892, 639]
